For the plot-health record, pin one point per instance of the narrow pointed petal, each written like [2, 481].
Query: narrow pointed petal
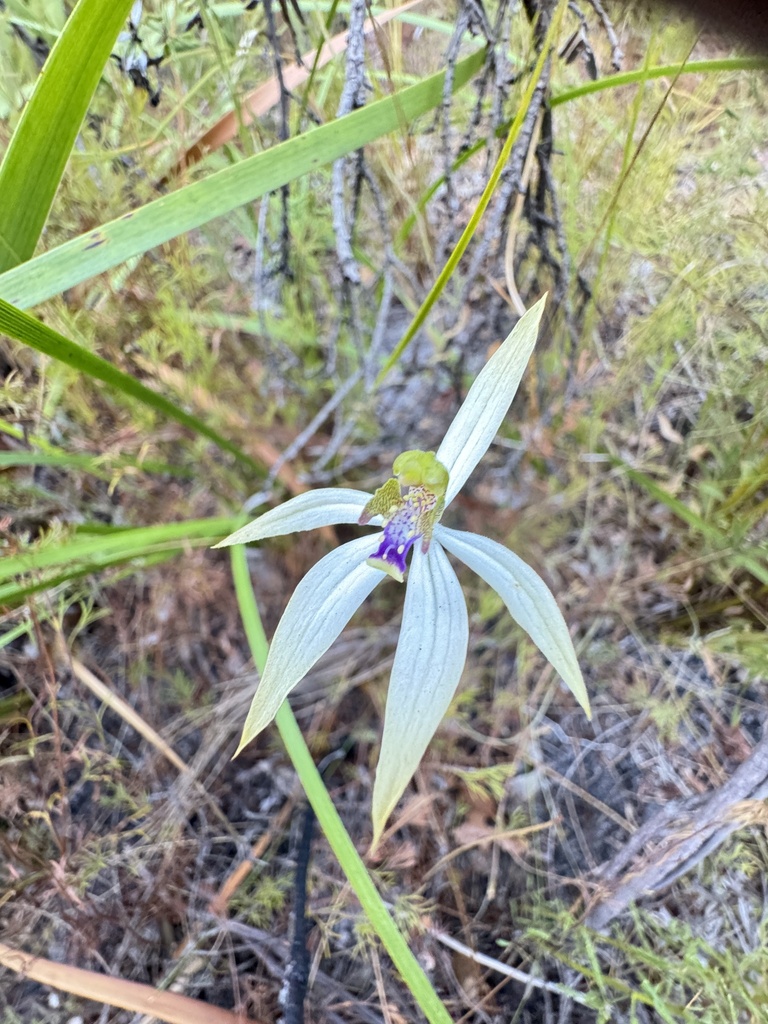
[478, 420]
[321, 606]
[428, 664]
[326, 506]
[528, 598]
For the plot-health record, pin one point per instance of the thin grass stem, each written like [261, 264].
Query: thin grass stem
[338, 838]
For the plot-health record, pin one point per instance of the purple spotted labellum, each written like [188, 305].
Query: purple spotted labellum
[399, 537]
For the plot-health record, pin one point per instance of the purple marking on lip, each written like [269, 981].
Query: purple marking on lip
[398, 540]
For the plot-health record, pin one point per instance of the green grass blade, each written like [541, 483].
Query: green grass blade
[338, 838]
[43, 453]
[718, 538]
[693, 67]
[13, 634]
[701, 67]
[139, 230]
[15, 593]
[40, 567]
[693, 519]
[85, 463]
[758, 566]
[34, 162]
[128, 543]
[39, 336]
[101, 467]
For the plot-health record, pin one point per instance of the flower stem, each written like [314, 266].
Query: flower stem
[338, 838]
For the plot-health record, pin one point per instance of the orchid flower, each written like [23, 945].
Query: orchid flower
[432, 647]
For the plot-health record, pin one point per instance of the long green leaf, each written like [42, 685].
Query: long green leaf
[103, 468]
[693, 67]
[127, 543]
[40, 568]
[157, 222]
[34, 162]
[39, 336]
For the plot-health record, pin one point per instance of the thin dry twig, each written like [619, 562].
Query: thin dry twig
[313, 426]
[577, 790]
[129, 715]
[183, 972]
[233, 881]
[510, 972]
[492, 837]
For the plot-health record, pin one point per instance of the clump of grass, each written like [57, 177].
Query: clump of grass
[630, 975]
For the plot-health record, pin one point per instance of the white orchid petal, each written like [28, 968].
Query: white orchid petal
[321, 606]
[527, 597]
[478, 420]
[428, 664]
[326, 506]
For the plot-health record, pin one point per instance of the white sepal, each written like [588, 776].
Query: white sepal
[478, 420]
[428, 663]
[327, 506]
[528, 598]
[321, 606]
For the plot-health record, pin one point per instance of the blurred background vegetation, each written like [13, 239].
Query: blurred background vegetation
[632, 473]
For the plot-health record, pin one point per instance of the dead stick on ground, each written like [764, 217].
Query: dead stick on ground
[128, 995]
[675, 840]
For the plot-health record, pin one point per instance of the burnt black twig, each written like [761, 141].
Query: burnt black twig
[285, 231]
[352, 97]
[500, 65]
[297, 970]
[617, 54]
[508, 186]
[578, 45]
[560, 261]
[451, 56]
